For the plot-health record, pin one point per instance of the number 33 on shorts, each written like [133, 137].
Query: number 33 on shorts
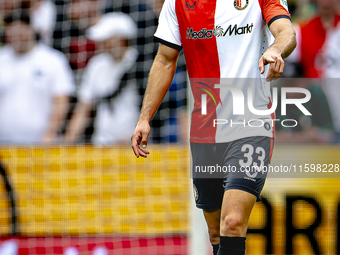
[249, 166]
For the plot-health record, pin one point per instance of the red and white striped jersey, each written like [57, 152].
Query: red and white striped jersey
[223, 39]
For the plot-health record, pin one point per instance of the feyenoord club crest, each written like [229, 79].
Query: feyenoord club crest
[241, 4]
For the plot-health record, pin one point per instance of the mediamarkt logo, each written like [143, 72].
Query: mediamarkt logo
[218, 31]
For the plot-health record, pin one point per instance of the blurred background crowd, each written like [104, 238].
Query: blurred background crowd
[75, 71]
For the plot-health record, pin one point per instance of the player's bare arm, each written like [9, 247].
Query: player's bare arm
[160, 78]
[284, 45]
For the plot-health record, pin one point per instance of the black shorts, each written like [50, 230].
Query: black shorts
[240, 164]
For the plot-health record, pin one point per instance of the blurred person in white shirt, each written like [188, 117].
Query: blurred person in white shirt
[35, 85]
[43, 15]
[331, 79]
[109, 84]
[318, 53]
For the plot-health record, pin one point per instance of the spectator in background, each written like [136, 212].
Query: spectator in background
[43, 17]
[83, 15]
[42, 12]
[331, 81]
[106, 84]
[317, 128]
[312, 36]
[318, 53]
[144, 16]
[35, 85]
[70, 38]
[301, 9]
[157, 6]
[6, 7]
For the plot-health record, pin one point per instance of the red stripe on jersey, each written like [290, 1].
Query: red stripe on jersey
[272, 115]
[271, 9]
[201, 56]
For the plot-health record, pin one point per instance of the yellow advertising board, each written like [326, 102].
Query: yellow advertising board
[86, 190]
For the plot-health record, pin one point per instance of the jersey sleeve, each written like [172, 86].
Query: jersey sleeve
[274, 9]
[167, 31]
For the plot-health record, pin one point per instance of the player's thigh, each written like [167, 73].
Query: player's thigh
[250, 159]
[236, 208]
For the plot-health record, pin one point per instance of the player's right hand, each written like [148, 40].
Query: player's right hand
[139, 139]
[273, 58]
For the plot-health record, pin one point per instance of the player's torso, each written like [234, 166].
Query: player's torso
[222, 38]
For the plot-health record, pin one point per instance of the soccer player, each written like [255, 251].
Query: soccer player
[222, 39]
